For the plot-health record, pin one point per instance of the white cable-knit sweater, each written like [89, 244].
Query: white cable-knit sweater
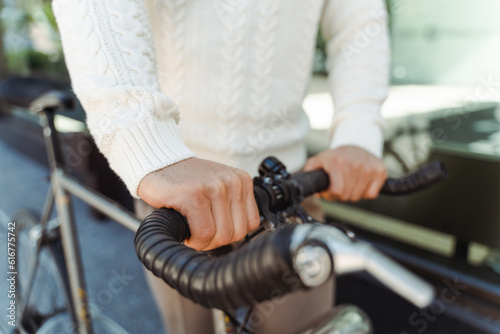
[165, 80]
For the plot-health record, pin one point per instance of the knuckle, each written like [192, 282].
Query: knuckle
[336, 191]
[197, 196]
[236, 185]
[223, 238]
[248, 187]
[357, 165]
[218, 188]
[254, 223]
[206, 234]
[193, 188]
[382, 172]
[378, 168]
[371, 195]
[240, 234]
[240, 173]
[338, 160]
[228, 174]
[246, 179]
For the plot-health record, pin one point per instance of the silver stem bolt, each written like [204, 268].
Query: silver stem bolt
[313, 264]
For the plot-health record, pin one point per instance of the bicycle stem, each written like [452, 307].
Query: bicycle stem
[347, 256]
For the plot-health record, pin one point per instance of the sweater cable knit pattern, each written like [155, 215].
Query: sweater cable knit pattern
[232, 97]
[165, 80]
[262, 60]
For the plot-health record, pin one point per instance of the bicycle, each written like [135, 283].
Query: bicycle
[311, 252]
[54, 242]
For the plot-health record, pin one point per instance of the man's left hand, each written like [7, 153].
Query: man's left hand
[354, 173]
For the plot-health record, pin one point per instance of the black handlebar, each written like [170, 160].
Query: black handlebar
[317, 181]
[259, 271]
[253, 274]
[424, 177]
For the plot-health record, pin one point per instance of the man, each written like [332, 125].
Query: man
[185, 98]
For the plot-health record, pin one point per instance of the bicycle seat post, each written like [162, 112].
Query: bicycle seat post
[52, 142]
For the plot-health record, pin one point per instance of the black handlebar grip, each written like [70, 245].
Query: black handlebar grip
[312, 182]
[318, 180]
[259, 271]
[420, 179]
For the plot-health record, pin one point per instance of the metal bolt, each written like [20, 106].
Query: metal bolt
[313, 265]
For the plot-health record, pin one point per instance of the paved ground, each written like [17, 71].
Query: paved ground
[107, 248]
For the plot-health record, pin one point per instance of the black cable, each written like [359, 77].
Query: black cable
[249, 237]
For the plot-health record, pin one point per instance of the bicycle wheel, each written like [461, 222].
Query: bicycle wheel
[38, 268]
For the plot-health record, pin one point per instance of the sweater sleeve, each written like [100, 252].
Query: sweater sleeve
[358, 61]
[110, 55]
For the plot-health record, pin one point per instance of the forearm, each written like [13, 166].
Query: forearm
[110, 55]
[358, 60]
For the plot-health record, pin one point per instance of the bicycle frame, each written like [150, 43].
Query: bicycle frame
[62, 187]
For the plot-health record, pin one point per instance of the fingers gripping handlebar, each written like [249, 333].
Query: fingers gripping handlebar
[293, 257]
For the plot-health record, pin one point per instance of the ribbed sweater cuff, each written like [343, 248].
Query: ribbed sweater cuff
[146, 147]
[361, 132]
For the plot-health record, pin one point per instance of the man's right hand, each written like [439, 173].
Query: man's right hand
[217, 200]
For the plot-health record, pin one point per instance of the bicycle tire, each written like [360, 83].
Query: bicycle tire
[46, 299]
